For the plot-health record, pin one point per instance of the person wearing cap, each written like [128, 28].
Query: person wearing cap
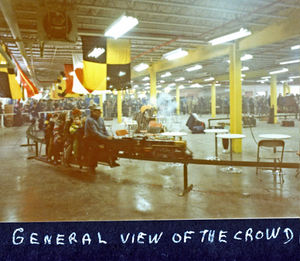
[96, 132]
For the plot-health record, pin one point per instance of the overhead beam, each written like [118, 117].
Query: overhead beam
[161, 14]
[208, 8]
[294, 68]
[271, 34]
[11, 20]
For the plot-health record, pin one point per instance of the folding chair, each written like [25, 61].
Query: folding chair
[274, 144]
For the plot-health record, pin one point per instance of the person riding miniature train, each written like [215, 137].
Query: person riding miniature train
[96, 134]
[74, 131]
[146, 120]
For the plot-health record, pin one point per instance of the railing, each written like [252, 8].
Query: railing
[186, 188]
[295, 115]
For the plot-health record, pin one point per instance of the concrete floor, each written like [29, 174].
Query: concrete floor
[139, 190]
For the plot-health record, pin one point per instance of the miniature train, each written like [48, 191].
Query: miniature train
[139, 148]
[154, 147]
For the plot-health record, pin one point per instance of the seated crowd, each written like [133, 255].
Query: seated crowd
[78, 139]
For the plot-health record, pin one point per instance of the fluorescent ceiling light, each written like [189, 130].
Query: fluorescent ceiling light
[289, 62]
[146, 78]
[121, 26]
[261, 93]
[294, 77]
[96, 52]
[245, 68]
[230, 37]
[167, 74]
[135, 86]
[167, 89]
[266, 77]
[158, 86]
[178, 53]
[280, 71]
[195, 85]
[147, 84]
[243, 75]
[209, 79]
[194, 68]
[217, 84]
[147, 88]
[179, 79]
[162, 81]
[295, 47]
[181, 87]
[122, 73]
[98, 92]
[289, 80]
[171, 84]
[246, 57]
[141, 67]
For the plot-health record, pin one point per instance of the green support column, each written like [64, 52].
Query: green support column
[119, 106]
[152, 86]
[235, 96]
[213, 100]
[273, 96]
[178, 100]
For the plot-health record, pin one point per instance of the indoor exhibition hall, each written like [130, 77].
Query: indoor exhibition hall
[149, 110]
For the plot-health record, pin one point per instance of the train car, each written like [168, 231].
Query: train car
[155, 148]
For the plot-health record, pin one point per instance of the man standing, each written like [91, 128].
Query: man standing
[96, 134]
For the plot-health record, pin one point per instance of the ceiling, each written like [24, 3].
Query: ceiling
[163, 26]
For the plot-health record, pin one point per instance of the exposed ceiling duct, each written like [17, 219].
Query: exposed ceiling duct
[11, 20]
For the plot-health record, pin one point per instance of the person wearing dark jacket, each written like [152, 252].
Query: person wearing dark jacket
[96, 134]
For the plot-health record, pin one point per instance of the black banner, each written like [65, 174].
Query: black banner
[257, 239]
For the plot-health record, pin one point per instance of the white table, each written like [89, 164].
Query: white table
[216, 131]
[231, 136]
[275, 136]
[174, 134]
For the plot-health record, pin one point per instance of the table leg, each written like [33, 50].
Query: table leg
[186, 188]
[216, 145]
[231, 169]
[230, 140]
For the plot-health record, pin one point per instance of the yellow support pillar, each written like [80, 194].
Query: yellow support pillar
[152, 86]
[136, 94]
[178, 100]
[286, 89]
[119, 106]
[213, 100]
[101, 102]
[235, 96]
[273, 96]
